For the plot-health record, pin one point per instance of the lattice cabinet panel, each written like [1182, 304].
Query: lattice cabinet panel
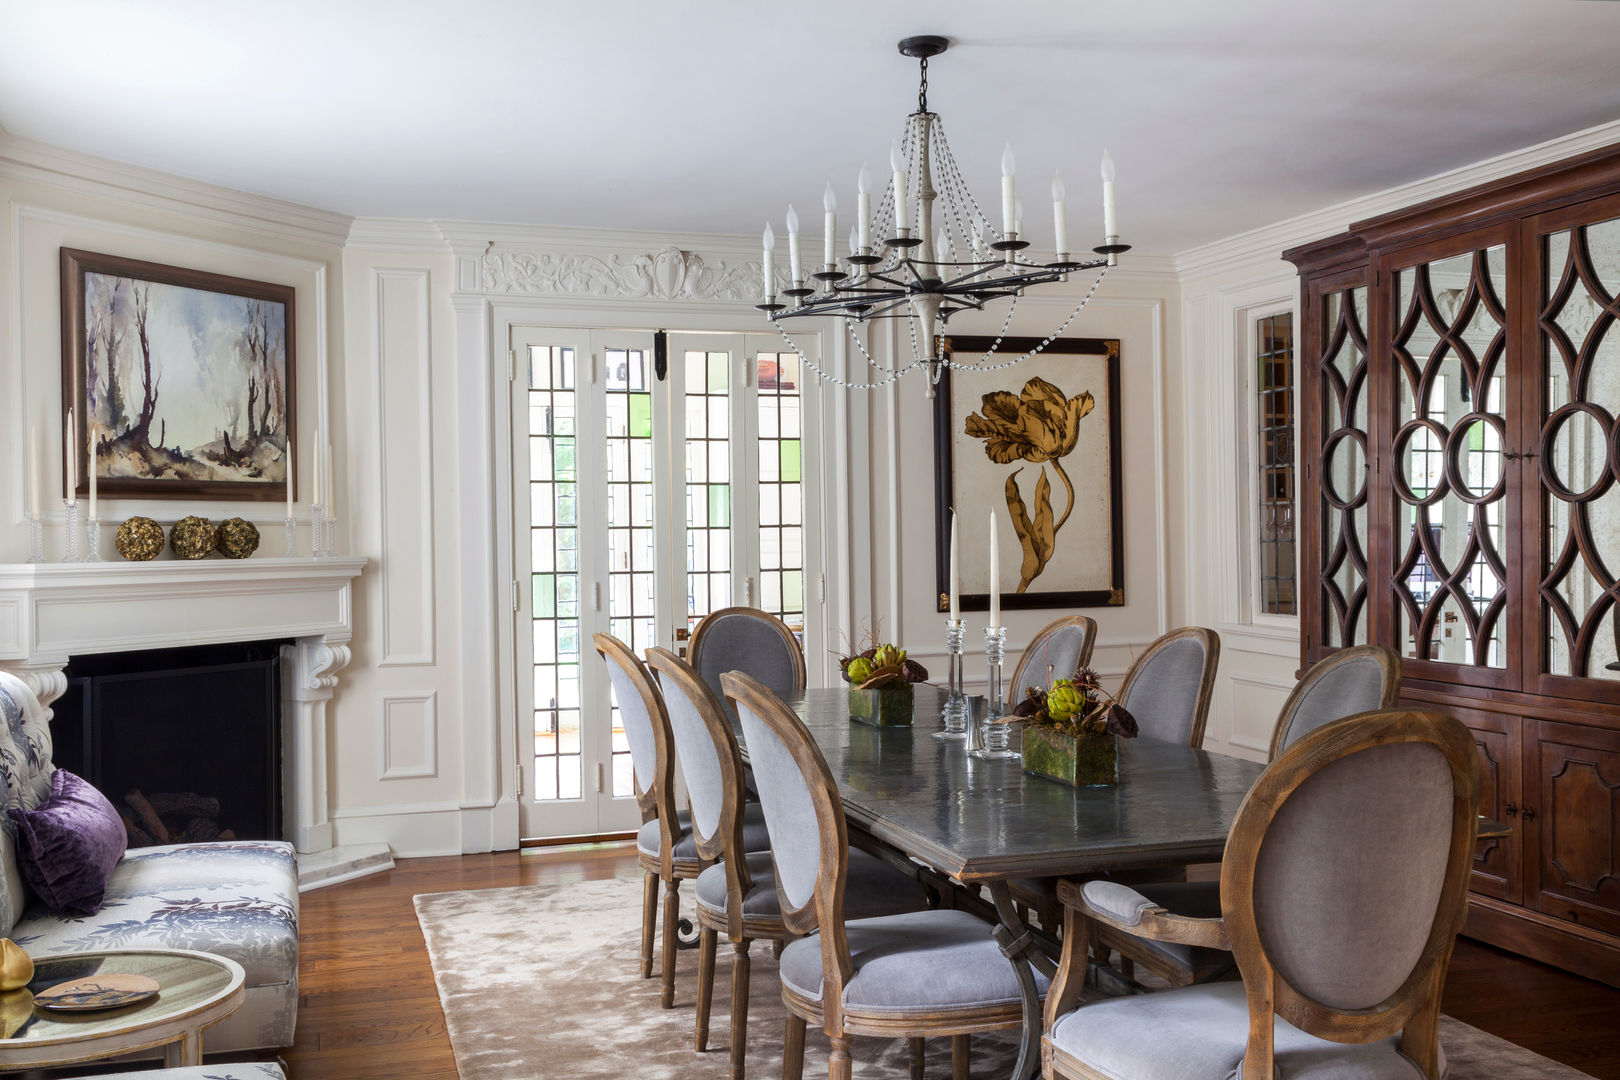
[1341, 391]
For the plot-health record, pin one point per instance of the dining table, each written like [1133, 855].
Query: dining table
[985, 822]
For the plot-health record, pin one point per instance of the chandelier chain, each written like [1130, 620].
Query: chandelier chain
[922, 89]
[956, 173]
[894, 373]
[1049, 337]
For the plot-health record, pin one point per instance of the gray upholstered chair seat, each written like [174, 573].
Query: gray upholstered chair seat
[873, 888]
[1201, 1032]
[754, 836]
[240, 1070]
[923, 961]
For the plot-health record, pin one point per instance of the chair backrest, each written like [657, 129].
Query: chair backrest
[25, 782]
[1167, 689]
[804, 817]
[1345, 881]
[749, 640]
[713, 767]
[1056, 652]
[646, 728]
[1354, 680]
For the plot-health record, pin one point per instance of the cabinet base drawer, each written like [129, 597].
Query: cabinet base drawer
[1577, 949]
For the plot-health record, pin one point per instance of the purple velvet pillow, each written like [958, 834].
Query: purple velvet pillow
[68, 847]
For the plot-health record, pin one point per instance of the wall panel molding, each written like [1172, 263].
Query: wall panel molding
[410, 736]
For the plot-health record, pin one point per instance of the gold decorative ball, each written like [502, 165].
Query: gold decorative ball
[238, 538]
[139, 539]
[192, 537]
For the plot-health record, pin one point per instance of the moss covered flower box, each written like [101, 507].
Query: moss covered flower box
[882, 706]
[1072, 731]
[1080, 760]
[880, 685]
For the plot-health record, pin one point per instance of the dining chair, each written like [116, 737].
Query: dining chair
[736, 895]
[921, 974]
[666, 846]
[1057, 651]
[1359, 679]
[750, 640]
[1167, 689]
[1344, 885]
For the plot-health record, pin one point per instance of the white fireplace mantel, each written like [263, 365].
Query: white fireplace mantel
[51, 611]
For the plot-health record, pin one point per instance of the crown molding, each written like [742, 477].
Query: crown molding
[397, 234]
[1267, 243]
[30, 161]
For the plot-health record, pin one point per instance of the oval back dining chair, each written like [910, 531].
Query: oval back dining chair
[1354, 680]
[1168, 687]
[920, 974]
[738, 895]
[1343, 888]
[749, 640]
[1057, 651]
[664, 846]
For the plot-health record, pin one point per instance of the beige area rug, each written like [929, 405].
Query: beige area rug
[544, 981]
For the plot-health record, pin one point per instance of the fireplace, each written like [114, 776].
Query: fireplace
[185, 742]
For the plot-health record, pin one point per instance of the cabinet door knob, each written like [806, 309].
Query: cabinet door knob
[1511, 809]
[1528, 815]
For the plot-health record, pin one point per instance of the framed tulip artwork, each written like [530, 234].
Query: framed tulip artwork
[1038, 443]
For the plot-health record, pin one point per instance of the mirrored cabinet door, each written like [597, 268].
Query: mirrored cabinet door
[1448, 338]
[1578, 463]
[1342, 537]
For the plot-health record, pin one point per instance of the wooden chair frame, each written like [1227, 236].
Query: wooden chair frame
[657, 802]
[1027, 661]
[825, 912]
[1412, 1010]
[1206, 685]
[694, 647]
[1128, 941]
[726, 844]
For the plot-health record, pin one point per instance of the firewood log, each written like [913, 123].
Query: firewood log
[147, 816]
[186, 804]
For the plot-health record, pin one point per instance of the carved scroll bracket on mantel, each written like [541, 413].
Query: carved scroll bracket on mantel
[666, 274]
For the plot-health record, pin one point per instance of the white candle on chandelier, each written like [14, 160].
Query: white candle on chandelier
[1110, 218]
[768, 263]
[795, 259]
[979, 250]
[995, 576]
[1018, 217]
[942, 245]
[954, 613]
[1060, 216]
[898, 164]
[863, 205]
[1009, 220]
[829, 203]
[854, 241]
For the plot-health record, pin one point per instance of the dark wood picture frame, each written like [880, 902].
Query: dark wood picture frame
[75, 264]
[944, 493]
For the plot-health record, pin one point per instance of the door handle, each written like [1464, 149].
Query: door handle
[1511, 809]
[1529, 814]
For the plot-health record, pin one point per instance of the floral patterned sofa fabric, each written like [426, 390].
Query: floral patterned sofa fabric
[235, 898]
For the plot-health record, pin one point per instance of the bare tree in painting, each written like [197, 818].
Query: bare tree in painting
[106, 335]
[142, 431]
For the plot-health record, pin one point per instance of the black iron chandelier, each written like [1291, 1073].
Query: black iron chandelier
[939, 256]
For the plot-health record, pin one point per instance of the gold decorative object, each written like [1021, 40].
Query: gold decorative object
[139, 539]
[16, 1009]
[16, 968]
[192, 537]
[238, 538]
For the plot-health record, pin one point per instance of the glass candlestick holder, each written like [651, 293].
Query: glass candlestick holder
[36, 539]
[70, 522]
[291, 527]
[996, 734]
[331, 536]
[317, 531]
[955, 713]
[92, 540]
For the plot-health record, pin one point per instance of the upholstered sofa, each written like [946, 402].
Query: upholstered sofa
[237, 898]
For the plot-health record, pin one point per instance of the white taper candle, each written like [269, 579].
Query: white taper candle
[954, 613]
[1060, 217]
[829, 242]
[1009, 198]
[70, 477]
[795, 258]
[995, 575]
[35, 481]
[1110, 217]
[898, 163]
[768, 263]
[863, 206]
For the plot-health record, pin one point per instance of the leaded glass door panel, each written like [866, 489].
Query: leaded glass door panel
[1448, 456]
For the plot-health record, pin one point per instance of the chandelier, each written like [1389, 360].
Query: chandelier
[939, 254]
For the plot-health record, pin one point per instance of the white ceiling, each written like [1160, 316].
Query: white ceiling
[711, 117]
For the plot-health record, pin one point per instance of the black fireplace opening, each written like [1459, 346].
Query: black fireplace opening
[185, 742]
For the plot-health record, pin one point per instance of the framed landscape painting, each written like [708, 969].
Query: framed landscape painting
[181, 381]
[1039, 443]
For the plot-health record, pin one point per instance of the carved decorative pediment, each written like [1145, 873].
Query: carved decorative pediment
[667, 274]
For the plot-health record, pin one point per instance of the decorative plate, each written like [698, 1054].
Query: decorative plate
[110, 991]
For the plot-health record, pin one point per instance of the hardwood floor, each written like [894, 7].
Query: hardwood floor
[368, 1006]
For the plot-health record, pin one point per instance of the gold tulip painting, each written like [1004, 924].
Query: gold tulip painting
[1039, 443]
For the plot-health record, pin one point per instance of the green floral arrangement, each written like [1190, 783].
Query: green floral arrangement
[879, 666]
[1076, 706]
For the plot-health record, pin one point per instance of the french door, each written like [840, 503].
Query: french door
[643, 501]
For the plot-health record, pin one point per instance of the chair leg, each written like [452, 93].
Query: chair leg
[838, 1062]
[740, 965]
[649, 921]
[705, 993]
[916, 1058]
[793, 1049]
[672, 915]
[961, 1052]
[1127, 966]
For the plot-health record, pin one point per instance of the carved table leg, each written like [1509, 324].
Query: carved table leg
[1018, 946]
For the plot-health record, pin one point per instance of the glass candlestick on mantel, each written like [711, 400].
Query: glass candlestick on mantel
[291, 527]
[36, 539]
[92, 540]
[70, 522]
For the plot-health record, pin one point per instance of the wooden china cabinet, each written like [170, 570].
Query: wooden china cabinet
[1460, 503]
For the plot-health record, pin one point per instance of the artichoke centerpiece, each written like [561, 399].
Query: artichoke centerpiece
[880, 682]
[1072, 730]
